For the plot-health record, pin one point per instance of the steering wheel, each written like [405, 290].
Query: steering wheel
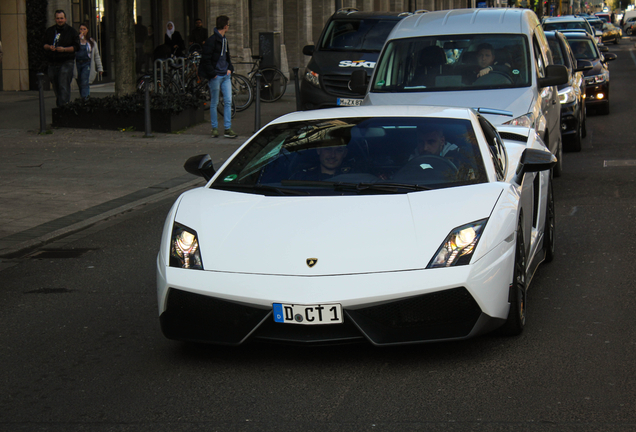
[493, 77]
[431, 167]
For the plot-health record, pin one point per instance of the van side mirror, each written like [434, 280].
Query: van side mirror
[359, 82]
[554, 75]
[533, 160]
[308, 50]
[201, 166]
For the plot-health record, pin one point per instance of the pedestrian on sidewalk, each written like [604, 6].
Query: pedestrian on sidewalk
[199, 34]
[87, 62]
[61, 41]
[173, 39]
[216, 66]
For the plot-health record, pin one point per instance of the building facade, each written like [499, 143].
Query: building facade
[290, 24]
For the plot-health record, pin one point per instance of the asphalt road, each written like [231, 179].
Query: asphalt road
[81, 349]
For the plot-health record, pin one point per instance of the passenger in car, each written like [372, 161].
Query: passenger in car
[331, 156]
[431, 141]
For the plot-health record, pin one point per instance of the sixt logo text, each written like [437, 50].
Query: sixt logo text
[357, 63]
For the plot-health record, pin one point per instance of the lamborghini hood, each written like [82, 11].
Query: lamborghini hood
[248, 233]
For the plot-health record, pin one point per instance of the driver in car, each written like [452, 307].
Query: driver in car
[330, 159]
[487, 61]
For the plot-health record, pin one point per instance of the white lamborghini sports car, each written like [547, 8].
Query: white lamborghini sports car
[339, 225]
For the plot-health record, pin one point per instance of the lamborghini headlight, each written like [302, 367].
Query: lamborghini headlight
[184, 248]
[526, 120]
[567, 95]
[459, 246]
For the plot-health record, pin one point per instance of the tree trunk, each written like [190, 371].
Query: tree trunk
[124, 47]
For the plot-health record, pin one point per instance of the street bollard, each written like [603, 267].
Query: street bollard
[147, 124]
[257, 101]
[297, 87]
[40, 76]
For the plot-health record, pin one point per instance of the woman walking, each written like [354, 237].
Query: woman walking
[88, 63]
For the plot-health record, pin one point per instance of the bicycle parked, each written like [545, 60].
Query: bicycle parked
[183, 78]
[273, 84]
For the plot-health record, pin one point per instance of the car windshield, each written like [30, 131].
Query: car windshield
[574, 25]
[596, 24]
[357, 35]
[583, 49]
[356, 156]
[453, 62]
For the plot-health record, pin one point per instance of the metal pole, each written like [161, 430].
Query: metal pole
[40, 76]
[257, 107]
[297, 87]
[147, 124]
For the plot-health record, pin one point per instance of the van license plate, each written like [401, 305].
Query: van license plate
[349, 102]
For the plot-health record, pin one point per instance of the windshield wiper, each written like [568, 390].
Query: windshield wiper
[261, 188]
[378, 187]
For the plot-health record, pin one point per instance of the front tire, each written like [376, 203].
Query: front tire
[558, 168]
[516, 321]
[550, 227]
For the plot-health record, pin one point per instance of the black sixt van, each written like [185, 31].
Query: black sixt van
[349, 41]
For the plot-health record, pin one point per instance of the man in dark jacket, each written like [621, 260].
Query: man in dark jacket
[60, 43]
[199, 33]
[216, 67]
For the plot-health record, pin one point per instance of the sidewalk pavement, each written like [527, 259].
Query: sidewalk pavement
[52, 185]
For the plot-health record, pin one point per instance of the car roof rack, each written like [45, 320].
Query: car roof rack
[420, 11]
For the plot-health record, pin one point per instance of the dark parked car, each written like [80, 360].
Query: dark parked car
[597, 78]
[351, 40]
[571, 94]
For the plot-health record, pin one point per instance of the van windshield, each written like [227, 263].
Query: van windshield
[357, 35]
[454, 62]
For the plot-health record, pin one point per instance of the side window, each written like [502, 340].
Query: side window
[495, 145]
[538, 58]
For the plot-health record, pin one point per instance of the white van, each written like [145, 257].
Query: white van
[494, 60]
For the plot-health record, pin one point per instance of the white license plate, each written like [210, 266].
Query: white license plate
[308, 314]
[349, 102]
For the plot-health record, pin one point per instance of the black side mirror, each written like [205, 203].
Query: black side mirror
[359, 82]
[533, 160]
[554, 75]
[610, 57]
[308, 50]
[201, 166]
[603, 48]
[583, 65]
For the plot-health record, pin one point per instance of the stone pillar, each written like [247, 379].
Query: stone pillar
[268, 16]
[321, 10]
[15, 63]
[298, 21]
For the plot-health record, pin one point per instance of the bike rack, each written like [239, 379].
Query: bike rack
[163, 65]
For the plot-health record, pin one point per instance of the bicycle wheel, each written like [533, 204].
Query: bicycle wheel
[171, 86]
[241, 92]
[273, 84]
[220, 106]
[141, 85]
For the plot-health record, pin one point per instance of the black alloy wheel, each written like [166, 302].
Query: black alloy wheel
[516, 320]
